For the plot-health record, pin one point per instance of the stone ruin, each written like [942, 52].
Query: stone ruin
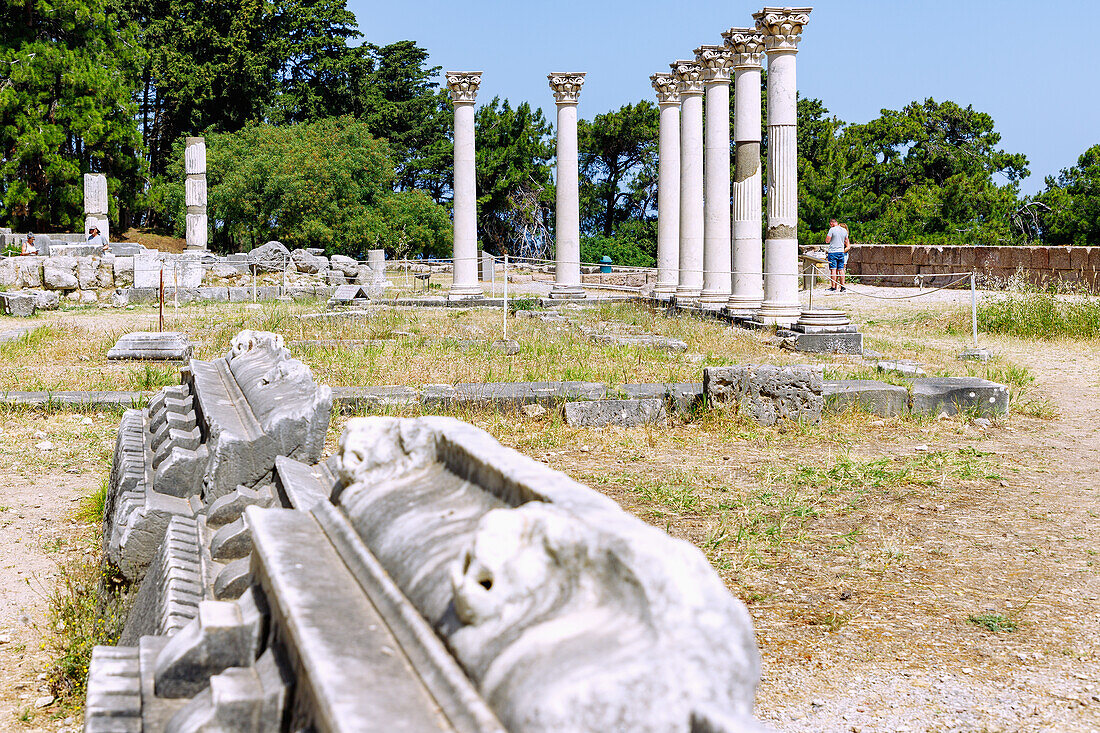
[423, 577]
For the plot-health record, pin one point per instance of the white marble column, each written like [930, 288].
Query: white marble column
[668, 185]
[716, 62]
[689, 76]
[95, 204]
[782, 29]
[463, 86]
[567, 226]
[194, 168]
[747, 46]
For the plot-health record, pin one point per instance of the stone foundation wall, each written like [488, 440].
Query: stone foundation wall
[901, 265]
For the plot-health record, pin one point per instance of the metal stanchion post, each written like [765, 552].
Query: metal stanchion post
[974, 307]
[505, 297]
[161, 299]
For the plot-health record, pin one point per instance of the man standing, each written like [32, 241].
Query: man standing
[94, 237]
[838, 243]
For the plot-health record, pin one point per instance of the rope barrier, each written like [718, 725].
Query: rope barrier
[967, 276]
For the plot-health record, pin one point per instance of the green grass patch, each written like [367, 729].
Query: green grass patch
[995, 622]
[1037, 314]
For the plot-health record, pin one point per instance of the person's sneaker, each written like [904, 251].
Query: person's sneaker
[844, 290]
[832, 290]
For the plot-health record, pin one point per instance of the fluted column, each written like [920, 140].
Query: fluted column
[747, 46]
[463, 86]
[689, 78]
[567, 227]
[782, 29]
[716, 62]
[194, 169]
[668, 185]
[96, 204]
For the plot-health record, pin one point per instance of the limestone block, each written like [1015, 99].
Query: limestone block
[9, 272]
[955, 395]
[305, 261]
[240, 699]
[95, 193]
[271, 256]
[345, 264]
[151, 346]
[124, 272]
[767, 393]
[1059, 258]
[75, 250]
[184, 272]
[194, 156]
[87, 272]
[334, 277]
[105, 273]
[195, 191]
[45, 300]
[59, 273]
[197, 231]
[838, 342]
[622, 413]
[877, 398]
[88, 297]
[147, 269]
[18, 304]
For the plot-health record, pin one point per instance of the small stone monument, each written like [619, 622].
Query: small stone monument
[826, 331]
[194, 164]
[95, 204]
[151, 346]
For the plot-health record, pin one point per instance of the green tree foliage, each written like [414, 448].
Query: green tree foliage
[65, 110]
[514, 189]
[325, 184]
[1068, 209]
[618, 164]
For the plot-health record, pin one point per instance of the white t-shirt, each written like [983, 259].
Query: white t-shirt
[838, 237]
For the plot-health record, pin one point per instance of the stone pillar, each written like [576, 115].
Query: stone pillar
[747, 46]
[464, 86]
[668, 186]
[782, 29]
[194, 168]
[567, 228]
[689, 76]
[716, 62]
[95, 204]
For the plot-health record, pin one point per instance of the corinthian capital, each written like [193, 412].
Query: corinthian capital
[463, 85]
[688, 76]
[668, 90]
[746, 45]
[716, 62]
[782, 27]
[566, 86]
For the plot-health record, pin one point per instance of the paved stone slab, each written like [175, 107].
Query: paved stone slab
[955, 395]
[766, 393]
[152, 346]
[622, 413]
[877, 398]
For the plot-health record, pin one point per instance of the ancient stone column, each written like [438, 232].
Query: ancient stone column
[567, 229]
[689, 76]
[464, 86]
[668, 185]
[716, 62]
[95, 204]
[194, 168]
[782, 29]
[747, 46]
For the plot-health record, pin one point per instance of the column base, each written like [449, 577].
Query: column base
[714, 299]
[465, 293]
[664, 291]
[743, 305]
[688, 295]
[779, 314]
[568, 292]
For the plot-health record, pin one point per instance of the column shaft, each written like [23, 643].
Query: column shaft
[567, 227]
[716, 229]
[465, 283]
[668, 200]
[748, 286]
[691, 196]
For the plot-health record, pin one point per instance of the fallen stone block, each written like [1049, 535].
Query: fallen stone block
[766, 393]
[682, 398]
[622, 413]
[877, 398]
[152, 346]
[956, 395]
[836, 342]
[19, 304]
[904, 367]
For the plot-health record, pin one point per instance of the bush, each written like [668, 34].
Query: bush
[1031, 313]
[623, 251]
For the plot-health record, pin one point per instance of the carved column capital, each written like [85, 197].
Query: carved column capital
[463, 85]
[566, 86]
[716, 62]
[688, 76]
[746, 45]
[782, 27]
[667, 88]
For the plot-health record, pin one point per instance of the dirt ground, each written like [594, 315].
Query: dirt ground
[875, 639]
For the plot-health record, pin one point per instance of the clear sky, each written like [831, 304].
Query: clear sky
[1034, 66]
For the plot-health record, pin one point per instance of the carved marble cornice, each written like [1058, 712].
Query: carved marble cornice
[566, 86]
[688, 75]
[716, 62]
[746, 45]
[463, 85]
[782, 27]
[667, 88]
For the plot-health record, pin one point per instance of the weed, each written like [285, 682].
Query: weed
[91, 506]
[1029, 312]
[995, 622]
[152, 377]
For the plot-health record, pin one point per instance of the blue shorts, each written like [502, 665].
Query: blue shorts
[837, 260]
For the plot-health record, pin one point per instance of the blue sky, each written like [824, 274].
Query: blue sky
[1032, 65]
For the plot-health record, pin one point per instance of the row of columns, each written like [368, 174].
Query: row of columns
[696, 259]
